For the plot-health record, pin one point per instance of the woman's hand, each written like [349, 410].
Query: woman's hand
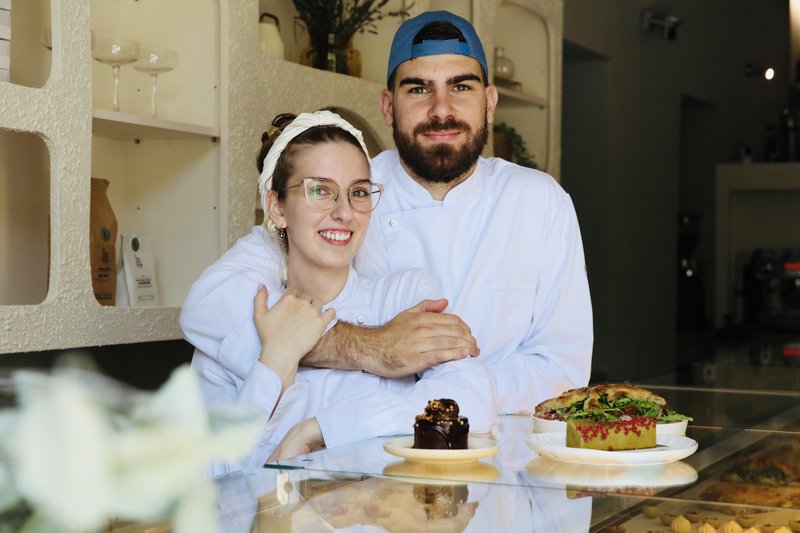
[288, 330]
[304, 437]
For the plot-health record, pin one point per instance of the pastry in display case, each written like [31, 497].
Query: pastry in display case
[755, 489]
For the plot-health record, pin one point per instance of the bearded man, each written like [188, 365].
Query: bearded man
[501, 240]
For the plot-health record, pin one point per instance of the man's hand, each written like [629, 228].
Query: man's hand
[304, 437]
[416, 339]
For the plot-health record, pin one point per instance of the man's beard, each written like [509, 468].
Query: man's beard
[441, 163]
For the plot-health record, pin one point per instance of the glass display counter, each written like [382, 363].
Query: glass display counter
[746, 471]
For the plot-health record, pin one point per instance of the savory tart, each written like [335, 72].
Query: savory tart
[608, 403]
[609, 417]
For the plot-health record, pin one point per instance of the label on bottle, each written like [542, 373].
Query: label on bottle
[139, 267]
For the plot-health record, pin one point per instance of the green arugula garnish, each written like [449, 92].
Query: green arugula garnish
[613, 410]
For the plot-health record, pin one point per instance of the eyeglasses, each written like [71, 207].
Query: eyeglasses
[322, 194]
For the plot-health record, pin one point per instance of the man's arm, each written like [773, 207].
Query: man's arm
[416, 339]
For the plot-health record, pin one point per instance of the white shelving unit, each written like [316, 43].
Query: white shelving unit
[165, 173]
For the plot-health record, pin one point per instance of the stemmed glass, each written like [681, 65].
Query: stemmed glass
[116, 53]
[155, 61]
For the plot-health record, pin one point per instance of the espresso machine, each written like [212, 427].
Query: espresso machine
[772, 289]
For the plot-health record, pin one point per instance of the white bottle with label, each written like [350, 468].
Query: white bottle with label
[139, 267]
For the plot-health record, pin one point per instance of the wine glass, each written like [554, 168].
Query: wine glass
[117, 53]
[155, 61]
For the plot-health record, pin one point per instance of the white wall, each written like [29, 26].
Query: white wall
[630, 230]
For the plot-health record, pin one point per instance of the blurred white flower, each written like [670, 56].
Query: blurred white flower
[60, 450]
[83, 450]
[9, 494]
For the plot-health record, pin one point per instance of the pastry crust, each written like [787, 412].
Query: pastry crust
[591, 396]
[566, 399]
[631, 391]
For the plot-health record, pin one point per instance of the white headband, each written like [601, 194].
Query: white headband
[301, 123]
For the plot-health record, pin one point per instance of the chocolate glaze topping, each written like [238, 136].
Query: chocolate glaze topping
[440, 427]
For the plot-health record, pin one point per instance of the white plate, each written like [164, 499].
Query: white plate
[669, 449]
[541, 425]
[477, 449]
[548, 470]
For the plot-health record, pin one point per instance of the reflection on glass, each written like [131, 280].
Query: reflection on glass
[371, 503]
[639, 480]
[116, 53]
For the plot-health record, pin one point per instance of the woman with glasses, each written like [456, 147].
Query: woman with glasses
[317, 196]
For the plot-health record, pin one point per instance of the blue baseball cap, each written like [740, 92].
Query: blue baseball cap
[403, 47]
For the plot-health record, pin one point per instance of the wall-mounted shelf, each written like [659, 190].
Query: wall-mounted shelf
[530, 32]
[116, 125]
[511, 97]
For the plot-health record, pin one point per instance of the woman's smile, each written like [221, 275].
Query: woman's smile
[336, 237]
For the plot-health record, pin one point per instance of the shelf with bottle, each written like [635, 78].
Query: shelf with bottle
[361, 49]
[527, 72]
[164, 174]
[163, 165]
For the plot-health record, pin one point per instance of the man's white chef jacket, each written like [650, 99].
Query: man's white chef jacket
[504, 246]
[506, 250]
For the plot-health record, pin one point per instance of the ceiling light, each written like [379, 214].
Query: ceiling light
[752, 71]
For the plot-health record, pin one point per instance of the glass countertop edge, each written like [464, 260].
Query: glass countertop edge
[354, 459]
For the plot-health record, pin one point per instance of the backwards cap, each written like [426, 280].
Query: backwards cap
[403, 47]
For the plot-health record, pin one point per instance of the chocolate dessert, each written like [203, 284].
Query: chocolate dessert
[440, 427]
